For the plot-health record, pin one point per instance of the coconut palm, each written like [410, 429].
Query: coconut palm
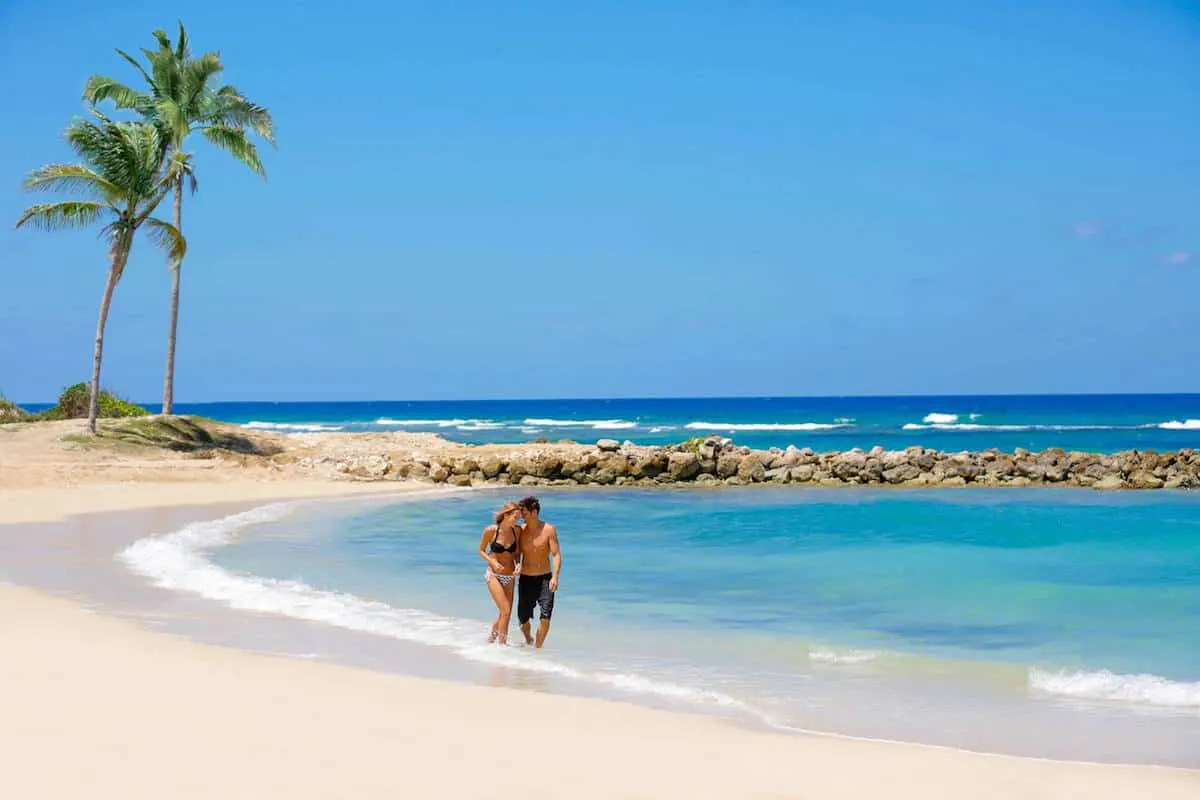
[122, 178]
[182, 98]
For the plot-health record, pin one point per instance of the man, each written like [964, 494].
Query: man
[541, 560]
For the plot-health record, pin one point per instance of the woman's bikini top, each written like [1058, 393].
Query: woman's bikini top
[499, 548]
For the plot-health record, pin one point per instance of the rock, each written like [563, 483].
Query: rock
[802, 473]
[545, 465]
[573, 465]
[459, 479]
[727, 465]
[1145, 480]
[683, 466]
[616, 463]
[954, 480]
[706, 479]
[750, 469]
[465, 466]
[604, 476]
[779, 474]
[438, 473]
[1108, 483]
[901, 474]
[649, 465]
[490, 466]
[608, 445]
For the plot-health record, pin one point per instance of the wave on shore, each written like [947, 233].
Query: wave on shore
[179, 561]
[766, 426]
[1104, 685]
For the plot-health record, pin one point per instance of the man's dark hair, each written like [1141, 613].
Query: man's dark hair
[530, 503]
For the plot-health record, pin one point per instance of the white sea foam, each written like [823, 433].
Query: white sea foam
[1181, 425]
[292, 427]
[975, 426]
[940, 419]
[480, 425]
[179, 561]
[596, 424]
[825, 656]
[662, 428]
[1104, 685]
[765, 426]
[423, 423]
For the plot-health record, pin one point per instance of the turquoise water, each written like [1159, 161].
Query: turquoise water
[1069, 619]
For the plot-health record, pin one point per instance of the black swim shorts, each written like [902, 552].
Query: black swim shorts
[534, 590]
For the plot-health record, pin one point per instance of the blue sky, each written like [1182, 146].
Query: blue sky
[477, 200]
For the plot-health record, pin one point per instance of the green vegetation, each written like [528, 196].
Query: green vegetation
[11, 412]
[120, 182]
[181, 98]
[195, 435]
[74, 402]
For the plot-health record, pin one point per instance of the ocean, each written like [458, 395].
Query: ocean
[1095, 423]
[1055, 623]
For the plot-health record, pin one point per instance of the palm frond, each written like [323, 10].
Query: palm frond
[64, 215]
[197, 76]
[154, 88]
[168, 238]
[72, 178]
[182, 50]
[100, 88]
[174, 117]
[234, 142]
[230, 108]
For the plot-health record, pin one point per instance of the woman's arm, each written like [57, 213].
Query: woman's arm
[484, 541]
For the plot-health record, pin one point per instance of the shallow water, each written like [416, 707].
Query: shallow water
[1050, 623]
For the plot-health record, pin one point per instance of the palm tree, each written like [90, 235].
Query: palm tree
[181, 98]
[123, 178]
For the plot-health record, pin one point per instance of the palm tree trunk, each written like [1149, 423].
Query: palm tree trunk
[119, 254]
[168, 404]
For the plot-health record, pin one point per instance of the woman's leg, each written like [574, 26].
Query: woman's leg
[503, 601]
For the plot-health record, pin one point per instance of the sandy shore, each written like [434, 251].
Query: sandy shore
[97, 707]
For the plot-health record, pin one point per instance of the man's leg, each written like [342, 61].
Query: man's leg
[545, 601]
[543, 629]
[526, 598]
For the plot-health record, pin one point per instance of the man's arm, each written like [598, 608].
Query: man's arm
[555, 559]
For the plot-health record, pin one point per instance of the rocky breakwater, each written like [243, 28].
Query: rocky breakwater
[719, 462]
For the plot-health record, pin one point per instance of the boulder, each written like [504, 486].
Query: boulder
[1109, 483]
[901, 474]
[728, 464]
[683, 466]
[608, 445]
[750, 469]
[490, 466]
[1145, 480]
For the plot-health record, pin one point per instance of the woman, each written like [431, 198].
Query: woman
[499, 547]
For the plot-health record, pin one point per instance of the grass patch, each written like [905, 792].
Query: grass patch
[73, 404]
[197, 435]
[11, 412]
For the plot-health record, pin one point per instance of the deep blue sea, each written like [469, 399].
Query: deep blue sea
[1097, 423]
[1050, 622]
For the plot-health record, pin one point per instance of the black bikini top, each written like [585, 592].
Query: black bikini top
[499, 548]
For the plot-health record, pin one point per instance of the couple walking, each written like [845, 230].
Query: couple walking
[521, 551]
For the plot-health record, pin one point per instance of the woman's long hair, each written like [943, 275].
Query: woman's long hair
[504, 511]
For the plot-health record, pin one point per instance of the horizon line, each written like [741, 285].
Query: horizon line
[634, 398]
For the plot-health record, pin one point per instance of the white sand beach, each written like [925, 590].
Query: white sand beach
[101, 708]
